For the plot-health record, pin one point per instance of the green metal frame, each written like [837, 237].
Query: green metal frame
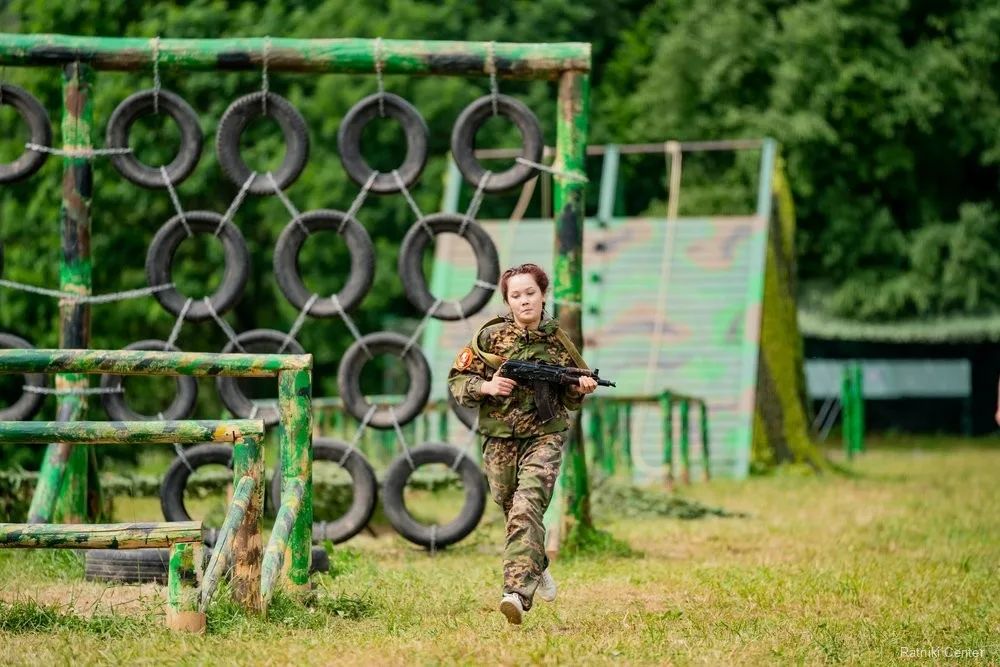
[568, 63]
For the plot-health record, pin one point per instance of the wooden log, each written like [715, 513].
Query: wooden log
[222, 554]
[98, 536]
[294, 403]
[145, 362]
[147, 432]
[248, 462]
[274, 555]
[185, 564]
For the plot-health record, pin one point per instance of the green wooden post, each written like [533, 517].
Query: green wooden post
[612, 447]
[685, 441]
[627, 440]
[443, 423]
[279, 548]
[847, 413]
[183, 611]
[667, 410]
[859, 408]
[62, 491]
[705, 451]
[223, 553]
[294, 399]
[596, 429]
[570, 162]
[248, 463]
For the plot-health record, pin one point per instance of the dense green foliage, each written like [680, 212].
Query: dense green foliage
[887, 113]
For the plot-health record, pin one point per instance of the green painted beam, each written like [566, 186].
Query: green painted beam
[222, 554]
[274, 555]
[295, 439]
[98, 536]
[352, 56]
[158, 432]
[184, 568]
[141, 362]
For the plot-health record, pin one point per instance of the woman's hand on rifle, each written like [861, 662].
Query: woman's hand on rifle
[498, 386]
[587, 385]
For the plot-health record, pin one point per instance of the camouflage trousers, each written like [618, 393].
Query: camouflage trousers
[522, 473]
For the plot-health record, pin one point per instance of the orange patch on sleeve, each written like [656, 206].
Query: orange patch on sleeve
[464, 359]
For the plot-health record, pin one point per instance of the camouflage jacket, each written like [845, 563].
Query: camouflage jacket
[513, 416]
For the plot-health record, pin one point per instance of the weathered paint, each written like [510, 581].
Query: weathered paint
[292, 493]
[108, 432]
[98, 536]
[571, 147]
[143, 362]
[685, 441]
[356, 56]
[248, 463]
[182, 597]
[295, 405]
[667, 410]
[705, 451]
[52, 473]
[222, 554]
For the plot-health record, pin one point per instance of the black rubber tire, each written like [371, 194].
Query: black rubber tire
[176, 478]
[129, 566]
[229, 390]
[463, 142]
[349, 379]
[468, 416]
[39, 129]
[363, 481]
[394, 483]
[353, 126]
[232, 125]
[28, 405]
[411, 271]
[182, 407]
[164, 246]
[287, 270]
[144, 103]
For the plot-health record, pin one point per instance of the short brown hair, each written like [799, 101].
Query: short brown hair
[535, 271]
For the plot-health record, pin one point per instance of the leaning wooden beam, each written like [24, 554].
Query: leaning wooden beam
[274, 555]
[143, 362]
[98, 536]
[224, 542]
[295, 439]
[354, 56]
[130, 432]
[182, 596]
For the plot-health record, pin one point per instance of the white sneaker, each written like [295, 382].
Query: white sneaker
[546, 587]
[511, 607]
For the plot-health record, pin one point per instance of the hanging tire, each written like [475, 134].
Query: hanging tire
[176, 479]
[128, 566]
[463, 142]
[39, 131]
[349, 379]
[411, 271]
[434, 537]
[160, 257]
[29, 403]
[365, 490]
[235, 121]
[288, 272]
[229, 390]
[353, 126]
[182, 407]
[468, 416]
[142, 104]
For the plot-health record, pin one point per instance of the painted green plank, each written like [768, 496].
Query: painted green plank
[142, 362]
[98, 536]
[158, 432]
[357, 56]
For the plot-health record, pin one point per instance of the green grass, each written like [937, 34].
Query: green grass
[903, 555]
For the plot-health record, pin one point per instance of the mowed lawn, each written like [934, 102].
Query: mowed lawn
[884, 567]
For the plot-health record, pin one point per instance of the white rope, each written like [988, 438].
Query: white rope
[83, 391]
[237, 202]
[76, 152]
[477, 200]
[86, 298]
[491, 69]
[433, 539]
[420, 327]
[176, 201]
[352, 447]
[228, 330]
[156, 74]
[458, 460]
[350, 324]
[568, 175]
[358, 201]
[176, 330]
[289, 206]
[379, 66]
[485, 285]
[177, 448]
[290, 336]
[406, 194]
[264, 83]
[402, 440]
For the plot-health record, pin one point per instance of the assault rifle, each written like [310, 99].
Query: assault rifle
[542, 376]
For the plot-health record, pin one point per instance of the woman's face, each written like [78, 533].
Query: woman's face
[525, 300]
